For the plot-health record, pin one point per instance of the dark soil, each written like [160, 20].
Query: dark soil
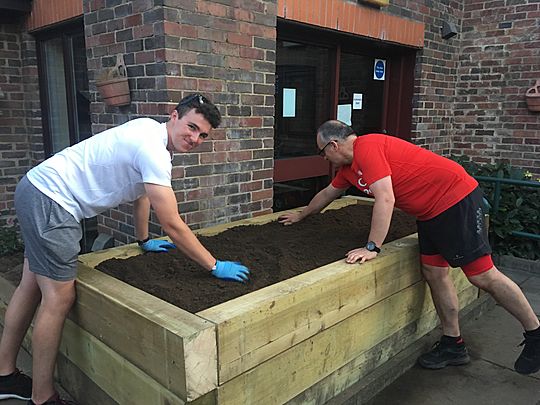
[272, 252]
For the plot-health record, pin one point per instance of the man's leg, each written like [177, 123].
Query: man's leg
[57, 299]
[18, 317]
[450, 350]
[508, 294]
[444, 297]
[19, 314]
[511, 298]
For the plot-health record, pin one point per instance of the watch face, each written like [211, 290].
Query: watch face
[372, 247]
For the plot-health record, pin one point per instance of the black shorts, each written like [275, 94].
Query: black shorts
[458, 234]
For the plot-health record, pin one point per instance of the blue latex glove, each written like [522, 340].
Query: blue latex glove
[157, 245]
[231, 271]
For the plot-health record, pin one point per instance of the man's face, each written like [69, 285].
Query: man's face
[332, 151]
[187, 132]
[328, 150]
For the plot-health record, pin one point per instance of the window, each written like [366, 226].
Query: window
[65, 103]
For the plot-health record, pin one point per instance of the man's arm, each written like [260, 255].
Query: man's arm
[380, 219]
[316, 205]
[141, 214]
[163, 201]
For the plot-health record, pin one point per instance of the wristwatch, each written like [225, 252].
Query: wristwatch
[372, 247]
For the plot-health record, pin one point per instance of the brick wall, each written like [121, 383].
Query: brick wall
[20, 140]
[435, 71]
[172, 48]
[470, 90]
[499, 61]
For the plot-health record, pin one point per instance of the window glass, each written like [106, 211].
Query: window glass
[79, 78]
[302, 97]
[297, 193]
[361, 92]
[56, 94]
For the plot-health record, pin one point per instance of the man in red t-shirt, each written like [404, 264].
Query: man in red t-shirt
[447, 203]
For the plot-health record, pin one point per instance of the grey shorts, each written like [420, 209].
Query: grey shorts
[51, 234]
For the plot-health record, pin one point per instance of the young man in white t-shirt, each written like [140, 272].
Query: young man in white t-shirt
[131, 162]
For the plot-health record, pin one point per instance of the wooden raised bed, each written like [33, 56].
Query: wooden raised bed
[317, 333]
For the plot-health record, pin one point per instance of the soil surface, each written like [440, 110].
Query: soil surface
[272, 252]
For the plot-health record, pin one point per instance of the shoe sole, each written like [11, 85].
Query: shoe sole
[527, 372]
[13, 396]
[455, 362]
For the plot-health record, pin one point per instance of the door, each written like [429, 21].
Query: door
[303, 99]
[360, 96]
[322, 75]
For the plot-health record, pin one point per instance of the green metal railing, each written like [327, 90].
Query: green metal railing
[497, 197]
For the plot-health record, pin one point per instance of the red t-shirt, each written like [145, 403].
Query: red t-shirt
[424, 183]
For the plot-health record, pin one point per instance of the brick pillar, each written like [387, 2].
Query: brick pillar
[20, 125]
[436, 75]
[173, 48]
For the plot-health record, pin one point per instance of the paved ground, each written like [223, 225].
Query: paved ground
[488, 380]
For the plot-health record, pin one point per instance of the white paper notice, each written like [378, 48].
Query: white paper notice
[344, 112]
[289, 102]
[357, 101]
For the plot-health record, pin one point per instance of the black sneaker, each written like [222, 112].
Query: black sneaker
[16, 385]
[54, 400]
[442, 355]
[528, 361]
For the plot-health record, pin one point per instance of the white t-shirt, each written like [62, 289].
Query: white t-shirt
[107, 169]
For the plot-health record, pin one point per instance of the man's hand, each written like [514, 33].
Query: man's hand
[231, 271]
[361, 254]
[157, 245]
[290, 218]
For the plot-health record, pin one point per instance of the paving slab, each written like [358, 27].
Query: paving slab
[493, 341]
[478, 383]
[494, 337]
[531, 288]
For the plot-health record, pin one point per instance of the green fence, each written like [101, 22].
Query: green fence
[497, 197]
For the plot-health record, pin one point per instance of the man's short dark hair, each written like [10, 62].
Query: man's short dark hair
[202, 105]
[334, 130]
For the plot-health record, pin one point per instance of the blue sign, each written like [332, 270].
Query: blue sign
[379, 69]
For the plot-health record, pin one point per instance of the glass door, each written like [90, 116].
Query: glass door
[321, 75]
[303, 98]
[360, 96]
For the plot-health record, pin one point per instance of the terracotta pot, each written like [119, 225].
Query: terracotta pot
[115, 92]
[533, 97]
[113, 84]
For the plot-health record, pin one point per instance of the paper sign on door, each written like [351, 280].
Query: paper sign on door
[357, 101]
